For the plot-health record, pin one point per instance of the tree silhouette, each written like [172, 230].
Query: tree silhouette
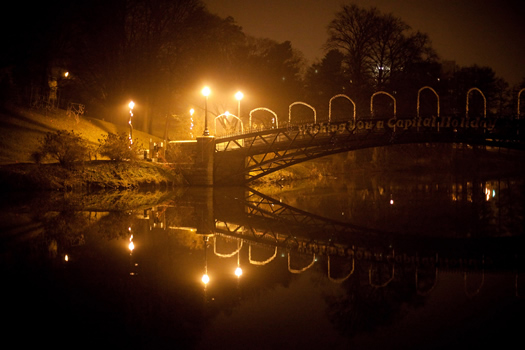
[376, 47]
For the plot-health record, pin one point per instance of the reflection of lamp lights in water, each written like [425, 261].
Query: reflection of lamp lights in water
[130, 136]
[205, 278]
[131, 245]
[238, 270]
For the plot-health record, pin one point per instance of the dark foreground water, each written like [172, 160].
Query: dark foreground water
[415, 262]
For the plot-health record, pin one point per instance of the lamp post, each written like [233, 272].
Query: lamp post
[191, 122]
[131, 105]
[206, 92]
[239, 95]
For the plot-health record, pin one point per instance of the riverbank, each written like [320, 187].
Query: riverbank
[90, 176]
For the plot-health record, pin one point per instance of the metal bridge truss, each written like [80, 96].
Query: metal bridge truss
[272, 150]
[270, 215]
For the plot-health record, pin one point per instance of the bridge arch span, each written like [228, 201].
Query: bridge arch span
[330, 106]
[265, 110]
[239, 159]
[382, 93]
[243, 158]
[468, 101]
[300, 103]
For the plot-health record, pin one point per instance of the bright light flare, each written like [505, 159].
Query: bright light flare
[131, 105]
[131, 245]
[206, 91]
[238, 272]
[239, 96]
[205, 279]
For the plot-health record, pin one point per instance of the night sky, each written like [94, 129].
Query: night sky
[482, 32]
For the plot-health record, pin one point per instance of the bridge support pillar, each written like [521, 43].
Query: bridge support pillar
[204, 211]
[202, 174]
[195, 159]
[229, 169]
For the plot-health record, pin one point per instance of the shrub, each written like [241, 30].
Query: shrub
[64, 146]
[117, 147]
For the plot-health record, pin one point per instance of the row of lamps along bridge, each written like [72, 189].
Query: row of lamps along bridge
[205, 92]
[239, 96]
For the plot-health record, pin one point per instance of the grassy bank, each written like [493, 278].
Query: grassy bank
[21, 131]
[90, 176]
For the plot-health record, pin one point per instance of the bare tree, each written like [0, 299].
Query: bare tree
[375, 45]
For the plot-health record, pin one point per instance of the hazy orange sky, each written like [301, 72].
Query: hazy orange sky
[483, 32]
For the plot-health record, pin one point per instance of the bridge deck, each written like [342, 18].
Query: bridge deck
[254, 154]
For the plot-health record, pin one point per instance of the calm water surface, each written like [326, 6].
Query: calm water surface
[368, 262]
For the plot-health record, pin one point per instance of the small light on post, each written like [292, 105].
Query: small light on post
[206, 92]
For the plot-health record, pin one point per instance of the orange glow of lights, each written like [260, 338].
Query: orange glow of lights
[238, 272]
[131, 245]
[205, 279]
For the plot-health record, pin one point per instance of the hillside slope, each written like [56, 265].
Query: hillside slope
[22, 129]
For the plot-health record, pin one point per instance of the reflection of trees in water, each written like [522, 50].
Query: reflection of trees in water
[365, 308]
[453, 205]
[112, 225]
[63, 229]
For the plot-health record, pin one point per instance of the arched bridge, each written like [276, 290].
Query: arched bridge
[241, 158]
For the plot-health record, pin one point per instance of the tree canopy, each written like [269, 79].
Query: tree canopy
[160, 53]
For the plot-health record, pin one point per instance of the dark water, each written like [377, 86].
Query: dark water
[413, 262]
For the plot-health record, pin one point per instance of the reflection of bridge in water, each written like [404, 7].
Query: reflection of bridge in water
[268, 229]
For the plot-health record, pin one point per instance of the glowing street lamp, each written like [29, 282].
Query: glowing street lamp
[238, 96]
[238, 271]
[131, 105]
[206, 92]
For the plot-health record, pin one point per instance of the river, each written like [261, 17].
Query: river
[367, 261]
